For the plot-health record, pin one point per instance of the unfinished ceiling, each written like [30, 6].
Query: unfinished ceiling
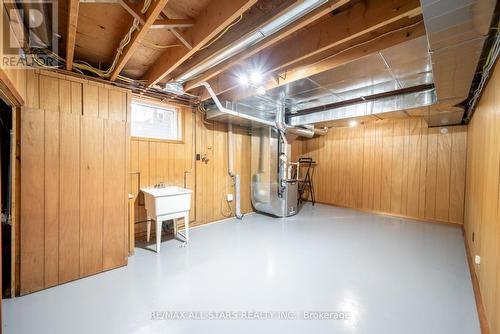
[314, 54]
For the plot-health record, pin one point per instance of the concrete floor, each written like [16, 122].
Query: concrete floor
[385, 275]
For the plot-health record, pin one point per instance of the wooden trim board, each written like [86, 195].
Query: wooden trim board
[8, 91]
[483, 321]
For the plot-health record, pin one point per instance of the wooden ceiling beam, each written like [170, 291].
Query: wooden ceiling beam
[213, 20]
[151, 15]
[134, 9]
[384, 37]
[362, 18]
[172, 23]
[273, 39]
[73, 7]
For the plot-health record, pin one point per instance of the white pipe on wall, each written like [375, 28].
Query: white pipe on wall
[230, 148]
[236, 178]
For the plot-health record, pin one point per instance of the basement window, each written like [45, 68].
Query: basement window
[155, 121]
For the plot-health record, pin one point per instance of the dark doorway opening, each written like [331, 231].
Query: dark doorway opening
[6, 191]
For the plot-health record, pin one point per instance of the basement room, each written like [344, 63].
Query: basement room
[250, 166]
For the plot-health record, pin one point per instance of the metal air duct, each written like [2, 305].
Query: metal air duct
[456, 32]
[288, 16]
[380, 106]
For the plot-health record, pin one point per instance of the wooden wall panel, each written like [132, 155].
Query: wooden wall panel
[67, 210]
[413, 167]
[458, 166]
[90, 100]
[51, 241]
[32, 200]
[69, 206]
[174, 164]
[431, 174]
[91, 196]
[482, 201]
[114, 229]
[388, 166]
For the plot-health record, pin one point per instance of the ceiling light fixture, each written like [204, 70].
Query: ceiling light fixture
[243, 79]
[353, 124]
[256, 77]
[285, 18]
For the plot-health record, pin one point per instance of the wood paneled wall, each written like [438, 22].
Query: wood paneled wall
[173, 163]
[399, 167]
[213, 182]
[482, 204]
[73, 180]
[161, 161]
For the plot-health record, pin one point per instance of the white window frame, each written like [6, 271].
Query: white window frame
[157, 105]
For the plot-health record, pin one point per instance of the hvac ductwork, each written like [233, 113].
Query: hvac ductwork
[456, 32]
[225, 115]
[380, 106]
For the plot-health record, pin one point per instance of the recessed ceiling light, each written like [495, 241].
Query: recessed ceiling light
[353, 124]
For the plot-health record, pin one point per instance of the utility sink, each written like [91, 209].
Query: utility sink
[167, 200]
[167, 203]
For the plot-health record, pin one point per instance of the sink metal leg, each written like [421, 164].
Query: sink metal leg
[148, 229]
[186, 226]
[175, 226]
[158, 235]
[182, 236]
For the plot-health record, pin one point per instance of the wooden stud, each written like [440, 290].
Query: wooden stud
[73, 6]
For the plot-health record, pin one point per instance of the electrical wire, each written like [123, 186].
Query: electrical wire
[156, 46]
[78, 65]
[81, 65]
[222, 33]
[488, 66]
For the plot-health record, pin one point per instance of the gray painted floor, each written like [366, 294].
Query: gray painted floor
[387, 275]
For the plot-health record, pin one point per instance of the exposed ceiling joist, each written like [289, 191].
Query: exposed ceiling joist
[364, 17]
[387, 36]
[151, 15]
[273, 39]
[172, 23]
[215, 18]
[73, 7]
[181, 38]
[133, 9]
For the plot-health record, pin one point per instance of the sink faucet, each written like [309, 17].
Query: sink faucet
[159, 185]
